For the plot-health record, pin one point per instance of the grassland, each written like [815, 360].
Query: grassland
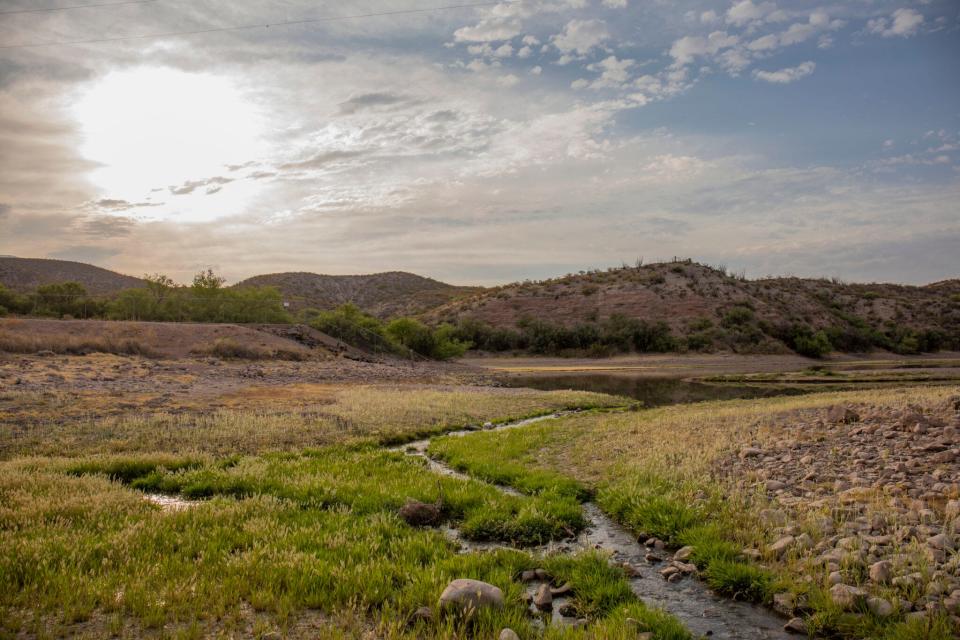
[296, 533]
[661, 472]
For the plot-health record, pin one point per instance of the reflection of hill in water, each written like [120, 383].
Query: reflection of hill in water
[653, 392]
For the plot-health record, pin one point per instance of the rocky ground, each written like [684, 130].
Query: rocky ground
[864, 500]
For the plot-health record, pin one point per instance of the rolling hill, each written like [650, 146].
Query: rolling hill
[26, 274]
[385, 295]
[692, 298]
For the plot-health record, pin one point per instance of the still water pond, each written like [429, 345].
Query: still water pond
[652, 392]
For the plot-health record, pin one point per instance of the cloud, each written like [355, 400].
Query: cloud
[614, 72]
[4, 210]
[580, 36]
[322, 159]
[615, 4]
[489, 30]
[373, 100]
[107, 226]
[84, 253]
[745, 11]
[786, 76]
[213, 185]
[688, 48]
[903, 23]
[114, 204]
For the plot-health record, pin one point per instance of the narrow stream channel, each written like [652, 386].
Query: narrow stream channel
[689, 600]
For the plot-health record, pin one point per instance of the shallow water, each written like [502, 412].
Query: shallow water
[652, 392]
[689, 600]
[170, 503]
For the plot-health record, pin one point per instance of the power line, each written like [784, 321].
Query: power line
[282, 23]
[76, 6]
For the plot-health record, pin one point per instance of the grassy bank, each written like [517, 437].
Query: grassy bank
[296, 530]
[660, 473]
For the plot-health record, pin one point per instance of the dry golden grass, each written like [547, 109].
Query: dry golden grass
[324, 415]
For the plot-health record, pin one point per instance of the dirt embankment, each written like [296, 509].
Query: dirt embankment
[164, 339]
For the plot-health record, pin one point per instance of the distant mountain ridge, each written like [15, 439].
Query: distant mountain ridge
[385, 295]
[689, 297]
[26, 274]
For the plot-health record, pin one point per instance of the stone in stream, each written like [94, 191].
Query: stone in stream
[528, 576]
[795, 625]
[543, 600]
[508, 634]
[420, 514]
[683, 554]
[467, 596]
[562, 590]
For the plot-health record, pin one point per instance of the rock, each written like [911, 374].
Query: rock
[467, 596]
[784, 603]
[669, 571]
[630, 570]
[780, 547]
[423, 614]
[508, 634]
[940, 541]
[562, 590]
[568, 610]
[542, 575]
[775, 485]
[879, 607]
[543, 600]
[847, 597]
[842, 415]
[835, 577]
[528, 576]
[420, 514]
[683, 554]
[751, 554]
[881, 572]
[652, 558]
[795, 625]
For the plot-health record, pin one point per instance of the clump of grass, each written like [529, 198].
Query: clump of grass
[230, 349]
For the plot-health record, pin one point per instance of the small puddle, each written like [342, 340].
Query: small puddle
[703, 612]
[170, 503]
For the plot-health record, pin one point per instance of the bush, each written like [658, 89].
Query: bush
[816, 345]
[737, 317]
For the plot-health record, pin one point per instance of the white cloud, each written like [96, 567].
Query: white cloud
[581, 36]
[615, 4]
[524, 52]
[786, 76]
[489, 30]
[744, 12]
[614, 72]
[903, 23]
[537, 70]
[504, 51]
[764, 43]
[688, 48]
[709, 17]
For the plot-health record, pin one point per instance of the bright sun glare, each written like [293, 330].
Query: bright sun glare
[156, 127]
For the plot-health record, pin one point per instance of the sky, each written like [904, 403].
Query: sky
[482, 144]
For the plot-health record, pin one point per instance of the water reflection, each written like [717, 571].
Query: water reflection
[653, 392]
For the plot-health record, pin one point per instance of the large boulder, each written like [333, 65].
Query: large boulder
[466, 596]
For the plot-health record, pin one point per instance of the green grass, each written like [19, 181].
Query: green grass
[282, 534]
[503, 458]
[653, 472]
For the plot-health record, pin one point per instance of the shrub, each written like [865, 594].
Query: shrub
[816, 345]
[738, 316]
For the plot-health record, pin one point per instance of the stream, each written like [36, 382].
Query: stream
[689, 600]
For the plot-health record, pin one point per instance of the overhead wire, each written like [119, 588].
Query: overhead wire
[75, 6]
[262, 25]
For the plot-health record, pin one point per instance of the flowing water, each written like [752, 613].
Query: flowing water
[689, 600]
